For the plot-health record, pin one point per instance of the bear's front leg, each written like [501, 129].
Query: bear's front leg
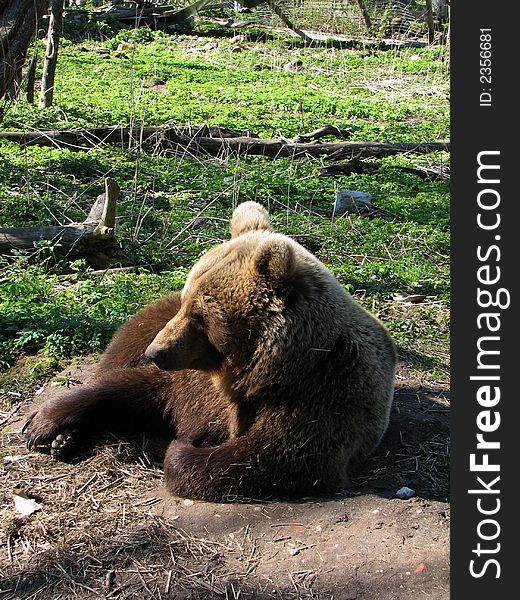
[57, 425]
[204, 473]
[121, 402]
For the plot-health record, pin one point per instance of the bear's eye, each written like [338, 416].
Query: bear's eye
[198, 320]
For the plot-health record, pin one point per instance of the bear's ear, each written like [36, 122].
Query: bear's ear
[274, 258]
[249, 216]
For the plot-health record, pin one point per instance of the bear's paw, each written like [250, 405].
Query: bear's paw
[45, 435]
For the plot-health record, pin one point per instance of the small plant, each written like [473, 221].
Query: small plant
[139, 35]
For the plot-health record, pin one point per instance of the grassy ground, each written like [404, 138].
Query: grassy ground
[392, 95]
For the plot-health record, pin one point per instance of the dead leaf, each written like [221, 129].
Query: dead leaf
[124, 46]
[15, 458]
[421, 568]
[413, 298]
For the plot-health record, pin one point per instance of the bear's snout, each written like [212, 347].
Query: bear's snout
[157, 355]
[169, 349]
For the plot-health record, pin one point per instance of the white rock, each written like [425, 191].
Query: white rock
[404, 493]
[351, 201]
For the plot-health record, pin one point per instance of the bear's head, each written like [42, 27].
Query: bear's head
[233, 299]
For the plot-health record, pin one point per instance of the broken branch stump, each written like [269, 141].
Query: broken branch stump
[94, 239]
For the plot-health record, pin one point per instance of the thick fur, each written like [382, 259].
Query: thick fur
[272, 380]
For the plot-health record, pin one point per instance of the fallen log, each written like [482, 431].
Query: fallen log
[94, 239]
[84, 139]
[286, 149]
[317, 134]
[169, 15]
[216, 142]
[133, 11]
[359, 166]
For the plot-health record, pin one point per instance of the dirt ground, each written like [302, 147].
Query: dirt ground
[107, 528]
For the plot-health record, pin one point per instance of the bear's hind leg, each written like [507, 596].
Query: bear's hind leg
[247, 467]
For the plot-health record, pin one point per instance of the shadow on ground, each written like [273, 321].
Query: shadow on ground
[415, 449]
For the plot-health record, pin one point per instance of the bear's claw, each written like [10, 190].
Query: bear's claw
[27, 423]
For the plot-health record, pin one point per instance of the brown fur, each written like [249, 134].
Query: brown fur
[272, 380]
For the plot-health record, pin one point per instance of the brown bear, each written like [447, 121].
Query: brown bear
[266, 374]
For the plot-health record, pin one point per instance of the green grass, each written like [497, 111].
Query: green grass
[65, 316]
[219, 85]
[380, 96]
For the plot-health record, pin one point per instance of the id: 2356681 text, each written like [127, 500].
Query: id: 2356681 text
[485, 67]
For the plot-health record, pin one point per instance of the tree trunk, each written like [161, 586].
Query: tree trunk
[440, 10]
[366, 16]
[51, 53]
[31, 78]
[18, 22]
[429, 21]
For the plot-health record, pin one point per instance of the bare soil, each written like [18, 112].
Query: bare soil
[107, 528]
